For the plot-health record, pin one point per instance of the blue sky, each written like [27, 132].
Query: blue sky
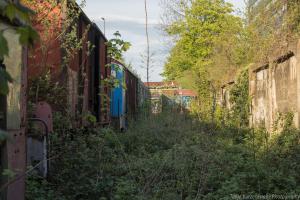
[128, 17]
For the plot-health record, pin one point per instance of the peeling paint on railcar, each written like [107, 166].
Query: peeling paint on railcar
[13, 153]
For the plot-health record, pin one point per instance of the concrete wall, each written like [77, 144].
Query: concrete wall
[224, 95]
[275, 89]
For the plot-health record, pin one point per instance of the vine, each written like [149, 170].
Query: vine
[240, 99]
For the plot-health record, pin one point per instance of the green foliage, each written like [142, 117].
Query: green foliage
[4, 46]
[116, 47]
[75, 166]
[209, 47]
[38, 188]
[27, 35]
[272, 25]
[174, 156]
[170, 156]
[240, 100]
[283, 121]
[43, 88]
[5, 78]
[115, 50]
[206, 31]
[3, 136]
[70, 41]
[91, 119]
[15, 11]
[212, 44]
[8, 173]
[53, 28]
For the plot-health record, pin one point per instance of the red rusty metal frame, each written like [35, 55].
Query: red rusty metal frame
[131, 93]
[43, 115]
[15, 148]
[43, 111]
[105, 91]
[83, 66]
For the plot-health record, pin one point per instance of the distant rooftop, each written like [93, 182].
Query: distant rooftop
[170, 88]
[186, 92]
[161, 84]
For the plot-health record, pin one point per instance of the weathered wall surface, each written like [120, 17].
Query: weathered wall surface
[224, 95]
[13, 152]
[275, 89]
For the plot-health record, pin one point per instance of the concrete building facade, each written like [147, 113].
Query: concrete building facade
[275, 90]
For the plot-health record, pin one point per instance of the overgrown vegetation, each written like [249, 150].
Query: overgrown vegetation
[212, 44]
[171, 157]
[210, 154]
[209, 45]
[240, 100]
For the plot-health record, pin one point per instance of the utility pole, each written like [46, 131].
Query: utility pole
[148, 45]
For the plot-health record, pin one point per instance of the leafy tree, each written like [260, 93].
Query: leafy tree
[207, 44]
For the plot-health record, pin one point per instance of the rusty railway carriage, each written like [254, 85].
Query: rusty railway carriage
[131, 81]
[13, 115]
[98, 71]
[127, 98]
[82, 77]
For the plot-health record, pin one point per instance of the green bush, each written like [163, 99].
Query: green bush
[170, 156]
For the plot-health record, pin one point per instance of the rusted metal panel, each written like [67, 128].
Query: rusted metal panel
[24, 87]
[3, 154]
[143, 93]
[105, 91]
[86, 68]
[72, 91]
[13, 153]
[94, 76]
[37, 138]
[16, 160]
[43, 111]
[46, 55]
[3, 107]
[76, 76]
[131, 94]
[92, 68]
